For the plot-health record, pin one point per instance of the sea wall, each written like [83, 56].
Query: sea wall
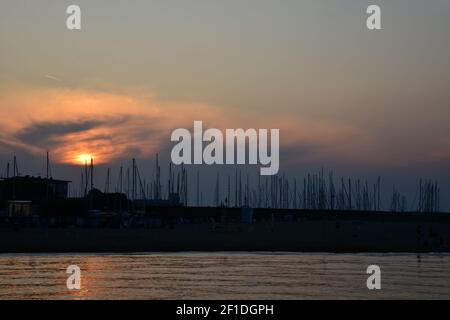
[305, 235]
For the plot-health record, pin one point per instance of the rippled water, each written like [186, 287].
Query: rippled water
[224, 276]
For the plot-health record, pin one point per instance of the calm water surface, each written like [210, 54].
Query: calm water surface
[224, 276]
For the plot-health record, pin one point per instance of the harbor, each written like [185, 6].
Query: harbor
[40, 216]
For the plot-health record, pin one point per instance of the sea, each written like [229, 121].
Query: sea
[224, 275]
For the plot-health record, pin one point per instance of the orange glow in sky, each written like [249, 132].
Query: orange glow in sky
[84, 158]
[109, 126]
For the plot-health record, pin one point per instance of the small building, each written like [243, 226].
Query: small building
[35, 189]
[18, 209]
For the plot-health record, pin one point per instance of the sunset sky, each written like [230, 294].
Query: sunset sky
[363, 103]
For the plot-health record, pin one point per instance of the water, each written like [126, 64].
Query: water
[225, 276]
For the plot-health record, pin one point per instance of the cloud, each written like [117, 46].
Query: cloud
[105, 125]
[46, 133]
[48, 76]
[111, 126]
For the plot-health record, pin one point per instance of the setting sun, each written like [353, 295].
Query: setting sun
[85, 157]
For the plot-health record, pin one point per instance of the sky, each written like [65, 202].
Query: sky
[362, 103]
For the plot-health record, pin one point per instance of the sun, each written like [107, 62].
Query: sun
[85, 157]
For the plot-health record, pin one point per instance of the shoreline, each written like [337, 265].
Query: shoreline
[306, 236]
